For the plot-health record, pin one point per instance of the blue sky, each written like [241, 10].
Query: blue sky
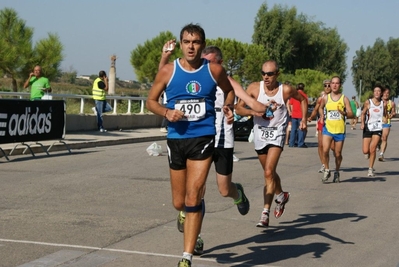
[92, 31]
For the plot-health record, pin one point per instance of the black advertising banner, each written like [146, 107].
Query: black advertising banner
[25, 120]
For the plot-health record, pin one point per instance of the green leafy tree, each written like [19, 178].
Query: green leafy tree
[145, 58]
[18, 57]
[296, 42]
[15, 44]
[242, 61]
[374, 66]
[255, 56]
[393, 49]
[312, 79]
[68, 76]
[233, 53]
[48, 54]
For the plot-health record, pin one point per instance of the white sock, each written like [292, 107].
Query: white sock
[187, 256]
[266, 210]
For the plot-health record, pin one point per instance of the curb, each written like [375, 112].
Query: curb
[36, 148]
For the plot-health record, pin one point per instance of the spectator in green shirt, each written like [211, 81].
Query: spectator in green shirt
[38, 84]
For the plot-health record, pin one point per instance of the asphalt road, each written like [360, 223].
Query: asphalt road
[111, 206]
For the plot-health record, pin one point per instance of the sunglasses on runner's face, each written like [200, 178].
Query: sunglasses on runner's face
[326, 85]
[270, 73]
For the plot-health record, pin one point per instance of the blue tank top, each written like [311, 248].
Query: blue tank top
[193, 92]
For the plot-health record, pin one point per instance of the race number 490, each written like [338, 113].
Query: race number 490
[194, 109]
[191, 109]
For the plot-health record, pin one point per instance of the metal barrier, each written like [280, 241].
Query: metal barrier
[114, 98]
[23, 121]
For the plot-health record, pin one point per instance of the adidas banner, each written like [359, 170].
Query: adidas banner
[25, 120]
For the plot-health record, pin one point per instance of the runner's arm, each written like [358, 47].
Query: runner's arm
[251, 102]
[364, 112]
[348, 109]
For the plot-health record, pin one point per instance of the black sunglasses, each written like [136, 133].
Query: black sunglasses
[326, 85]
[270, 73]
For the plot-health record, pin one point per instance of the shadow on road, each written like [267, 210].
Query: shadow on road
[262, 252]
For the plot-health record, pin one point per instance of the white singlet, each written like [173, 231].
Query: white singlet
[224, 137]
[375, 113]
[271, 131]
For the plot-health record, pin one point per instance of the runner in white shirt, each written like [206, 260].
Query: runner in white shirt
[371, 125]
[270, 131]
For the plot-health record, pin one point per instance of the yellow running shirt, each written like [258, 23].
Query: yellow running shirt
[389, 109]
[334, 121]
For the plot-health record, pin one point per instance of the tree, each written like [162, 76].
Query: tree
[145, 58]
[312, 79]
[68, 76]
[255, 56]
[296, 42]
[393, 49]
[18, 57]
[242, 61]
[376, 65]
[15, 44]
[48, 54]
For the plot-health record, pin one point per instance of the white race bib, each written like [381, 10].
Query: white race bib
[194, 109]
[374, 126]
[267, 133]
[333, 115]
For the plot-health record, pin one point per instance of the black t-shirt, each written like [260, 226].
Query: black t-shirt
[101, 85]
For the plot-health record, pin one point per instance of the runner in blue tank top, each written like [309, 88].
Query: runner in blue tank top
[224, 138]
[190, 87]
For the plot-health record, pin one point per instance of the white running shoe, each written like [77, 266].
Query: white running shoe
[235, 159]
[264, 220]
[326, 175]
[322, 168]
[370, 172]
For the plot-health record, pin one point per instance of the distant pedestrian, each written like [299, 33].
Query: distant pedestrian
[38, 84]
[297, 135]
[100, 87]
[354, 107]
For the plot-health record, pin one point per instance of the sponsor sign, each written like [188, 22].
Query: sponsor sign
[25, 120]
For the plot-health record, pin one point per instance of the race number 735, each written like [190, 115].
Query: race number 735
[269, 133]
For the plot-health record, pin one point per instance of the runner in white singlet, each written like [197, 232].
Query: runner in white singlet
[269, 132]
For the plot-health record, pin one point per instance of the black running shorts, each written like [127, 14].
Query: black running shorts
[180, 150]
[223, 159]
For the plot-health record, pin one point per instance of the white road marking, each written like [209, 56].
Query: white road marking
[125, 251]
[54, 259]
